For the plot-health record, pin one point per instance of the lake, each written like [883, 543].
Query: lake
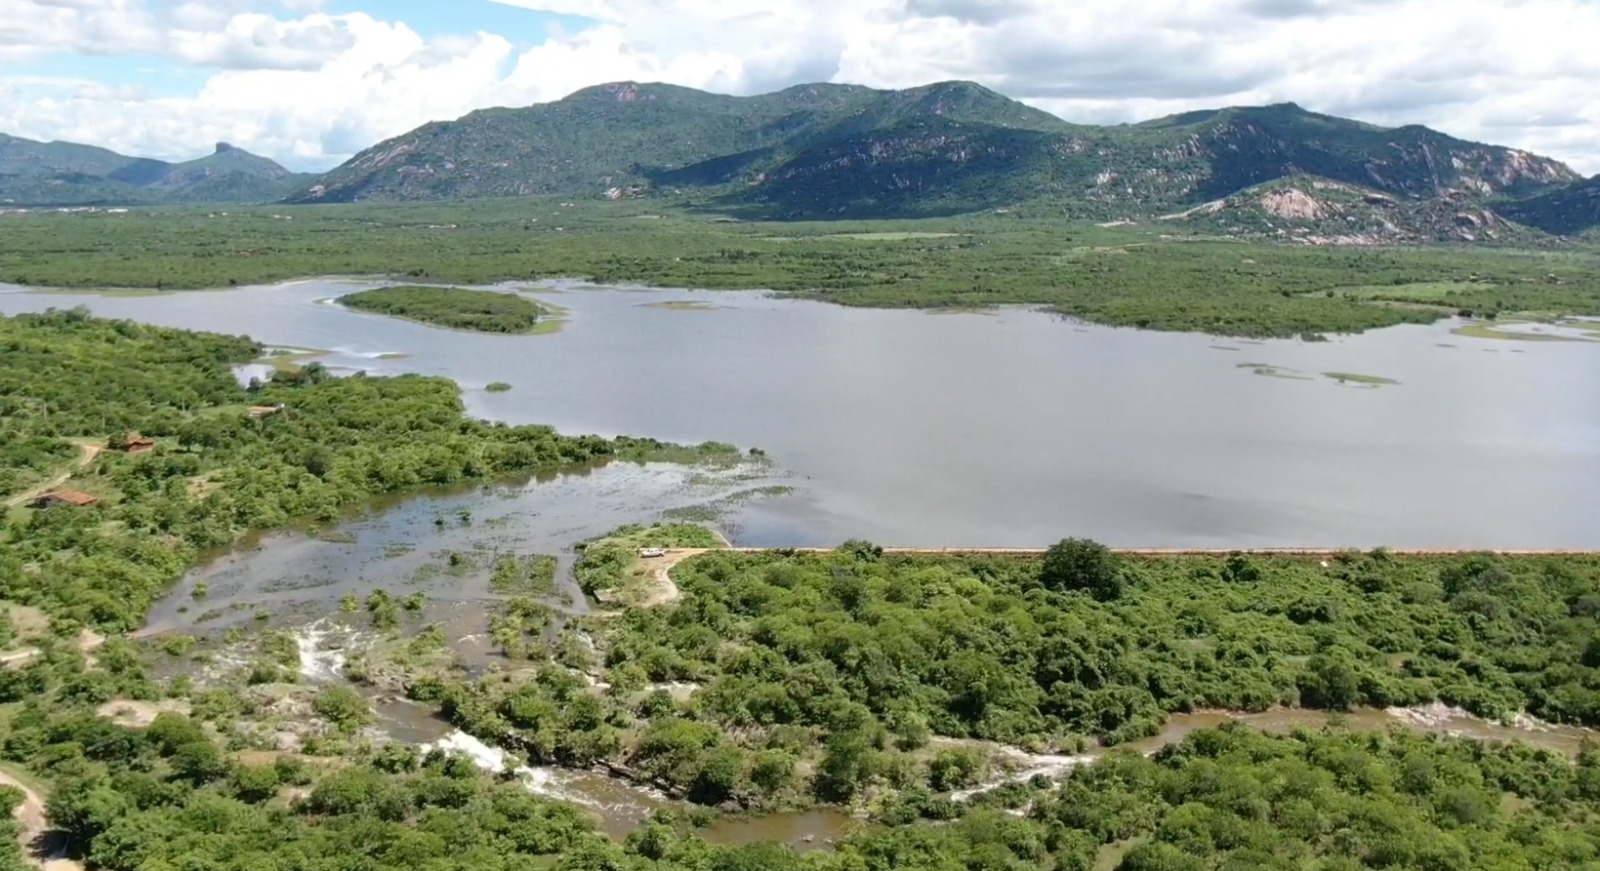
[1012, 428]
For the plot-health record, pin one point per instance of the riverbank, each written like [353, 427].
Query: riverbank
[779, 679]
[1211, 456]
[1121, 276]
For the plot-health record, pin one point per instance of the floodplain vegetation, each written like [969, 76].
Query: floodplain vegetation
[480, 311]
[1159, 277]
[228, 458]
[879, 682]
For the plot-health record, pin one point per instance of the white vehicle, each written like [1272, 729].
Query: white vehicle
[651, 552]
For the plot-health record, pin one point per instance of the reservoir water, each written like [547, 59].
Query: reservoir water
[1012, 428]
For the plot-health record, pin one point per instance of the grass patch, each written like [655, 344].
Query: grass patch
[533, 575]
[1420, 291]
[1271, 371]
[710, 512]
[888, 236]
[1485, 331]
[1355, 378]
[497, 387]
[963, 310]
[110, 292]
[1111, 855]
[289, 360]
[24, 777]
[684, 305]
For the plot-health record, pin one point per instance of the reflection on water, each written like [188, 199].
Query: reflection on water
[1016, 429]
[405, 544]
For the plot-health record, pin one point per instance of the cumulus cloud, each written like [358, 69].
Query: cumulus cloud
[290, 80]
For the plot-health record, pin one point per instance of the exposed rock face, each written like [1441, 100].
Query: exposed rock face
[1293, 204]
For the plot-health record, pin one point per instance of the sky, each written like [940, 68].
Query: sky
[311, 82]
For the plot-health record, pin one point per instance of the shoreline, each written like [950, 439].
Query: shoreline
[1163, 551]
[559, 317]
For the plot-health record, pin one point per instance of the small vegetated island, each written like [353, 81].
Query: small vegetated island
[894, 685]
[1138, 277]
[481, 311]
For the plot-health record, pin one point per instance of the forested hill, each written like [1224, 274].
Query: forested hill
[827, 150]
[1569, 210]
[68, 174]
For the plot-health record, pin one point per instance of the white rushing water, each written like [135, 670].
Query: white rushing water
[320, 660]
[1439, 716]
[1027, 766]
[547, 781]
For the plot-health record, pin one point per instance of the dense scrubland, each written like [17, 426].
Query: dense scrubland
[167, 796]
[778, 679]
[1154, 277]
[833, 676]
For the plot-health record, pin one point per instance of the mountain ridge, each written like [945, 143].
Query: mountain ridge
[57, 173]
[831, 150]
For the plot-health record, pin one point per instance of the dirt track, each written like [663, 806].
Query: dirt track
[34, 830]
[86, 454]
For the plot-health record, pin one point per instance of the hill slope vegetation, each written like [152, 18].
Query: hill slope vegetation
[68, 174]
[828, 151]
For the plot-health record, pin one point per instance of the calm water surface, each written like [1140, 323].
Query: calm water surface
[1015, 428]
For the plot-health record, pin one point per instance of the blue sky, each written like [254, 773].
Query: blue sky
[309, 82]
[433, 18]
[161, 76]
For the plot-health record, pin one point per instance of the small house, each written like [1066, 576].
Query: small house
[260, 411]
[134, 443]
[65, 497]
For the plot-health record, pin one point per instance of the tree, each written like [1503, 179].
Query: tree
[1330, 681]
[1156, 856]
[1081, 564]
[846, 766]
[342, 706]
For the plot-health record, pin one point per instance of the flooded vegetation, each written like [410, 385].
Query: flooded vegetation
[857, 405]
[353, 610]
[604, 660]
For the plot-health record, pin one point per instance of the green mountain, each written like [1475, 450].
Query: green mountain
[822, 150]
[1568, 210]
[611, 139]
[68, 174]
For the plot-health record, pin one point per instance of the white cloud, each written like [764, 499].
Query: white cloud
[296, 83]
[253, 41]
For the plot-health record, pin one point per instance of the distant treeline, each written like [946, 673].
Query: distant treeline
[1160, 278]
